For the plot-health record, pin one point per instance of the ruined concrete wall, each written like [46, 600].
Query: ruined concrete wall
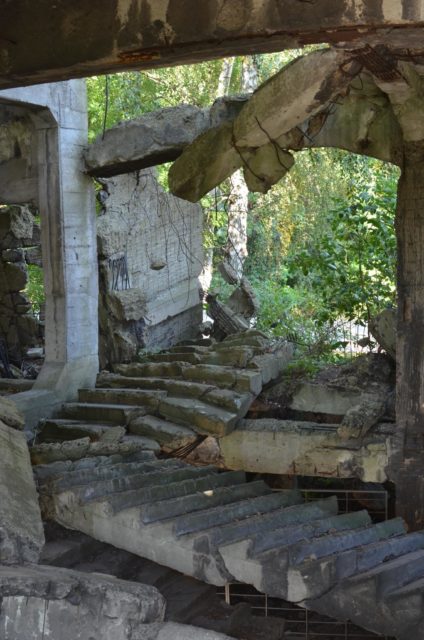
[150, 257]
[19, 245]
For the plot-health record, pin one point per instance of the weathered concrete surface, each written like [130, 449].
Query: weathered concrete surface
[155, 138]
[9, 414]
[362, 121]
[65, 198]
[218, 528]
[21, 529]
[40, 602]
[383, 329]
[150, 253]
[291, 447]
[18, 326]
[291, 96]
[128, 34]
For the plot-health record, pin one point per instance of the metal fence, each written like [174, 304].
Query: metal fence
[302, 624]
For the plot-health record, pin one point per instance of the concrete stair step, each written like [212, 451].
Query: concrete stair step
[232, 356]
[334, 543]
[58, 469]
[222, 515]
[251, 337]
[175, 490]
[143, 442]
[62, 429]
[174, 386]
[296, 512]
[98, 474]
[106, 488]
[116, 413]
[202, 417]
[175, 356]
[82, 448]
[311, 555]
[238, 403]
[364, 597]
[137, 397]
[240, 380]
[276, 538]
[225, 398]
[316, 577]
[190, 348]
[168, 434]
[151, 369]
[201, 501]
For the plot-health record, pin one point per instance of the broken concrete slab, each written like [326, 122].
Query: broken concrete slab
[21, 529]
[58, 430]
[292, 95]
[293, 447]
[41, 602]
[203, 417]
[156, 137]
[301, 89]
[317, 398]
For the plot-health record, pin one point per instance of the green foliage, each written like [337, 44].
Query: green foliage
[35, 287]
[351, 263]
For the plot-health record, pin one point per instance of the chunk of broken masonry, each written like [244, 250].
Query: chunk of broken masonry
[21, 529]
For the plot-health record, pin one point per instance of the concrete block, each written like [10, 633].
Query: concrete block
[21, 529]
[47, 603]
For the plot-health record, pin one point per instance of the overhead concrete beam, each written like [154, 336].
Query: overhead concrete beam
[156, 137]
[362, 121]
[45, 41]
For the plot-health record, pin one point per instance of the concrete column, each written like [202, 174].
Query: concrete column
[68, 229]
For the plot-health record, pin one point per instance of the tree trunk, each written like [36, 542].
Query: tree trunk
[409, 457]
[225, 77]
[239, 199]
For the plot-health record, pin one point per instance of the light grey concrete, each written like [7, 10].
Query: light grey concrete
[65, 200]
[304, 448]
[160, 239]
[21, 529]
[48, 603]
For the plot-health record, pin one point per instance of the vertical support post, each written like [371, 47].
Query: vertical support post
[408, 464]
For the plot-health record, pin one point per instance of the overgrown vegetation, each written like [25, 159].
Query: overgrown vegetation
[321, 243]
[35, 287]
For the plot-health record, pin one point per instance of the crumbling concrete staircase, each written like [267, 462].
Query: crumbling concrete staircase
[215, 525]
[192, 389]
[219, 528]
